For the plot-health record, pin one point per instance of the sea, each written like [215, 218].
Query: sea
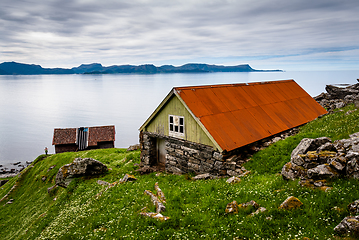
[31, 106]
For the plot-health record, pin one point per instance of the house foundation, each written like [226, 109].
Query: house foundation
[182, 156]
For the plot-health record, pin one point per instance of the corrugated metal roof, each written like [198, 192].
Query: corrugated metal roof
[239, 114]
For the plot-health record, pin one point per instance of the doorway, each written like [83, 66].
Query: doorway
[161, 153]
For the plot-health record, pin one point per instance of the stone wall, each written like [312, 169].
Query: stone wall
[184, 156]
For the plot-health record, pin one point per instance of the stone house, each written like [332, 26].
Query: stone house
[83, 138]
[201, 128]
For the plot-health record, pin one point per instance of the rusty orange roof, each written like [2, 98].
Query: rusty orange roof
[239, 114]
[234, 115]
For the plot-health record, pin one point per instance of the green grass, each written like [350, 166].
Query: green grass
[196, 208]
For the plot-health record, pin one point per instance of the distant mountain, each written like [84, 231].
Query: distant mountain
[13, 68]
[88, 68]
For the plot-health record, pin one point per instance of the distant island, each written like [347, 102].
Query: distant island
[14, 68]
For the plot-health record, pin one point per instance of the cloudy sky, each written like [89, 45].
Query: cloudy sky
[267, 34]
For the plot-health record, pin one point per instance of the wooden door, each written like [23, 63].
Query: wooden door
[161, 153]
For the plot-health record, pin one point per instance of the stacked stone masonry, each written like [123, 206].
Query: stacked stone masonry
[185, 157]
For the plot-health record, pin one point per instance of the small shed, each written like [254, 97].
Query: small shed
[83, 138]
[198, 128]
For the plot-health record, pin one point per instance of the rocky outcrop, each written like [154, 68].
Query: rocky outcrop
[318, 159]
[79, 167]
[338, 97]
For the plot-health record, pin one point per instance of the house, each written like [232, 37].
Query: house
[83, 138]
[198, 129]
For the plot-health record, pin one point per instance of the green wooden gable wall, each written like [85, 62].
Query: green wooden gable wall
[193, 132]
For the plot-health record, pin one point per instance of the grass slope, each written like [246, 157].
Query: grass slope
[196, 208]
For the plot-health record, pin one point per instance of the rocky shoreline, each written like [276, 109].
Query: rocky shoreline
[12, 169]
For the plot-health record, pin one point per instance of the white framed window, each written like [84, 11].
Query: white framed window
[176, 125]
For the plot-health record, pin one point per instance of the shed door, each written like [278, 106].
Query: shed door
[161, 152]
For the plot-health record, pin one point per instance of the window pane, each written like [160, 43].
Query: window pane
[181, 121]
[176, 128]
[181, 129]
[171, 127]
[171, 119]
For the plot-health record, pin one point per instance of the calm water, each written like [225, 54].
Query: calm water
[32, 106]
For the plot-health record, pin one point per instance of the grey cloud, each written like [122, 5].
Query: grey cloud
[140, 31]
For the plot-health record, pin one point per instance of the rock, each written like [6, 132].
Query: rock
[326, 147]
[348, 225]
[308, 144]
[159, 205]
[340, 92]
[352, 167]
[50, 168]
[322, 172]
[51, 188]
[154, 215]
[103, 183]
[338, 163]
[233, 180]
[354, 207]
[291, 203]
[2, 182]
[43, 178]
[174, 170]
[291, 172]
[259, 210]
[232, 207]
[247, 204]
[233, 172]
[127, 178]
[276, 139]
[203, 176]
[134, 147]
[79, 167]
[160, 194]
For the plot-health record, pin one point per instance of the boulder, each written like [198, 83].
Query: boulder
[348, 225]
[79, 167]
[291, 203]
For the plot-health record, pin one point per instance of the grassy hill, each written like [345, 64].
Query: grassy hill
[196, 208]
